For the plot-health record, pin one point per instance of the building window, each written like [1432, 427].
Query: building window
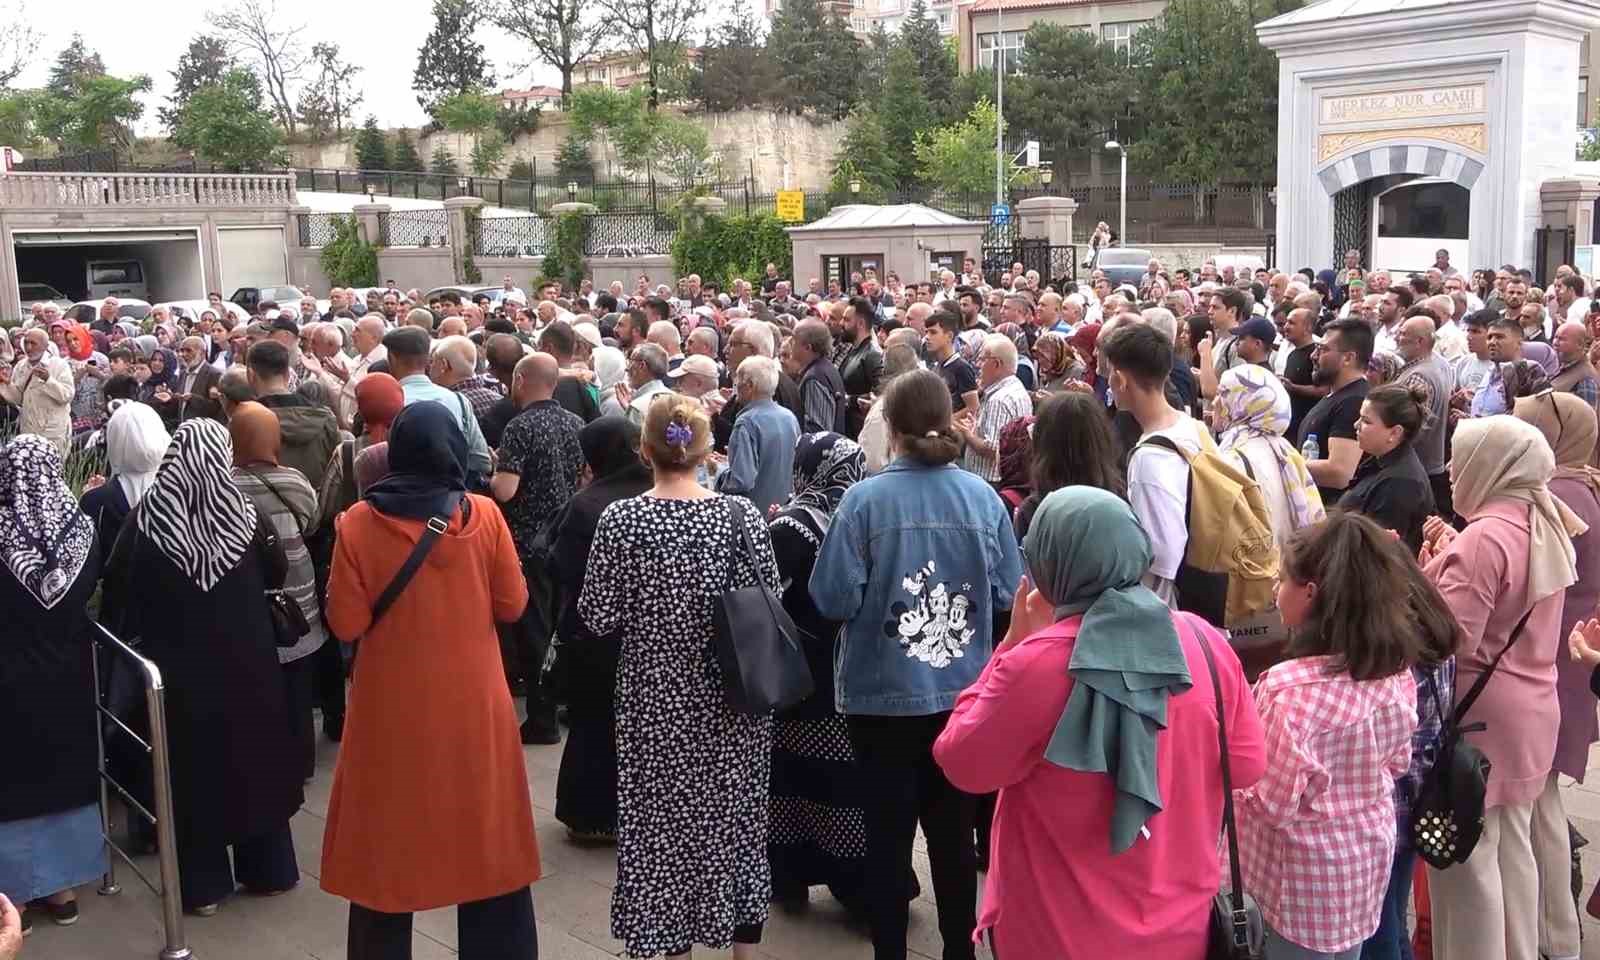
[944, 22]
[1006, 46]
[1120, 35]
[1583, 101]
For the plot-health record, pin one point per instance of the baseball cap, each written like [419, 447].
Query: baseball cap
[697, 364]
[1259, 327]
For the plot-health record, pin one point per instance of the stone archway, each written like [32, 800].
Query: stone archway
[1421, 160]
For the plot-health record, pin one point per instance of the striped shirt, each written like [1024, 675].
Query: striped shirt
[1001, 402]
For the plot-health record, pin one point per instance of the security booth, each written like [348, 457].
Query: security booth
[910, 240]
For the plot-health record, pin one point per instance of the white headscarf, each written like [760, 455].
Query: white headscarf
[194, 513]
[136, 440]
[610, 367]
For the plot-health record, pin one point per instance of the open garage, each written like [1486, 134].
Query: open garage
[165, 262]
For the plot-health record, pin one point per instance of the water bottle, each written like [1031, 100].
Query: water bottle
[1310, 450]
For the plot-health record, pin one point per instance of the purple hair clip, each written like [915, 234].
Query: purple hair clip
[679, 435]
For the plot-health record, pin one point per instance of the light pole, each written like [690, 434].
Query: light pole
[999, 102]
[1122, 194]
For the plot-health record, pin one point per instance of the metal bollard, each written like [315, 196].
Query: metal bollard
[176, 947]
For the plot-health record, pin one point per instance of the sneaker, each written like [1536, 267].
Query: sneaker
[62, 914]
[209, 910]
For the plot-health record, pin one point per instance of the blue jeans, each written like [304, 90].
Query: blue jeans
[1391, 941]
[1277, 948]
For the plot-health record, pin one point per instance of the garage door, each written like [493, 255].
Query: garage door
[252, 257]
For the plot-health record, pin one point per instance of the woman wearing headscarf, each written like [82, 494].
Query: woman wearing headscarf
[1083, 342]
[1016, 463]
[378, 401]
[49, 818]
[1511, 564]
[1056, 362]
[195, 542]
[136, 440]
[1100, 702]
[158, 388]
[430, 800]
[610, 369]
[284, 498]
[1250, 415]
[146, 344]
[816, 833]
[1569, 427]
[586, 788]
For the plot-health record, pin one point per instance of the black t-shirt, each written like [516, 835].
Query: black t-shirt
[959, 377]
[494, 420]
[1297, 370]
[1334, 416]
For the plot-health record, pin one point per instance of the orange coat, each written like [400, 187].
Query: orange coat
[430, 799]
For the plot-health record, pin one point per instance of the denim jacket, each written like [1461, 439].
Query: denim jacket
[915, 562]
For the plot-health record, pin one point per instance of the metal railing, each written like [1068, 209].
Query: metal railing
[176, 947]
[78, 190]
[414, 228]
[513, 236]
[316, 229]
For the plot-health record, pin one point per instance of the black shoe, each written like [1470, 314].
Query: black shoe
[333, 727]
[537, 733]
[27, 921]
[62, 914]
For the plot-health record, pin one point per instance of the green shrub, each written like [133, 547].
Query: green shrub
[564, 261]
[723, 249]
[348, 260]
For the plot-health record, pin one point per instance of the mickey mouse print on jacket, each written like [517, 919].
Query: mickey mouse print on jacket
[915, 562]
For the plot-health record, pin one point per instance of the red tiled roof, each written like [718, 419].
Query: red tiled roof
[988, 6]
[530, 93]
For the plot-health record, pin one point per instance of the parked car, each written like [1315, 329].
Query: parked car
[85, 311]
[282, 295]
[192, 308]
[115, 278]
[1123, 264]
[32, 293]
[467, 293]
[625, 250]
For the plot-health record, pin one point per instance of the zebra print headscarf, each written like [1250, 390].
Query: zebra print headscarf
[46, 538]
[194, 513]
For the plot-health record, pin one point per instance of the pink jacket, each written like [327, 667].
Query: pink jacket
[1483, 576]
[1054, 889]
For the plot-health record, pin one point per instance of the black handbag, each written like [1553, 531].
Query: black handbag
[1237, 931]
[1447, 817]
[756, 644]
[289, 623]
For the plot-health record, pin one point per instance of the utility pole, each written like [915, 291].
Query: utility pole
[1000, 102]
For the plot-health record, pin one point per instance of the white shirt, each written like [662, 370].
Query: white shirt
[1450, 341]
[358, 371]
[1578, 310]
[515, 293]
[1158, 491]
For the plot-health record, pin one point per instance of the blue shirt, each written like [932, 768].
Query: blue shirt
[761, 455]
[419, 387]
[915, 562]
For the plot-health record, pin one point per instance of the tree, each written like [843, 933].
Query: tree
[18, 41]
[206, 60]
[1068, 91]
[470, 111]
[19, 118]
[405, 156]
[372, 148]
[559, 31]
[75, 65]
[573, 162]
[904, 111]
[935, 61]
[487, 151]
[327, 103]
[100, 113]
[876, 62]
[655, 27]
[1206, 52]
[866, 154]
[442, 161]
[811, 49]
[513, 122]
[227, 123]
[960, 157]
[682, 150]
[253, 27]
[735, 71]
[451, 61]
[520, 169]
[638, 137]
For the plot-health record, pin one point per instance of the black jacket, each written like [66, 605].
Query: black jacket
[862, 373]
[1393, 490]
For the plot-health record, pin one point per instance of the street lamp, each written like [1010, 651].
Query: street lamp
[1046, 174]
[855, 185]
[461, 184]
[372, 190]
[1122, 193]
[572, 190]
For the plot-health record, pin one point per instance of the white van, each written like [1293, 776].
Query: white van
[115, 278]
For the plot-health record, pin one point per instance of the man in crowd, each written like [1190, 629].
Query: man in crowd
[760, 460]
[958, 374]
[664, 334]
[41, 386]
[1391, 311]
[1254, 340]
[861, 367]
[368, 342]
[1229, 308]
[1424, 366]
[408, 349]
[502, 352]
[1298, 367]
[453, 365]
[1576, 375]
[194, 381]
[560, 341]
[647, 373]
[1341, 365]
[1002, 399]
[821, 387]
[1472, 369]
[697, 377]
[539, 464]
[753, 338]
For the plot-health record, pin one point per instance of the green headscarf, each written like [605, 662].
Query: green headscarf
[1086, 553]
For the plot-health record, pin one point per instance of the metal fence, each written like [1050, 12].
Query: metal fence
[629, 234]
[414, 228]
[512, 236]
[153, 744]
[316, 229]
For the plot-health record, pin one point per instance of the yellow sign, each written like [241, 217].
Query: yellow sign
[791, 205]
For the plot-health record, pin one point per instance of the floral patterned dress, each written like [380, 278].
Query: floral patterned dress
[692, 774]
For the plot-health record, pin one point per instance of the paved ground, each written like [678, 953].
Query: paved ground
[572, 902]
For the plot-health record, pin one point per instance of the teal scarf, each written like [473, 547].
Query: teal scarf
[1086, 554]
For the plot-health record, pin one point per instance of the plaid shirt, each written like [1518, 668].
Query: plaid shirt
[1587, 388]
[1003, 401]
[1425, 742]
[1317, 831]
[480, 393]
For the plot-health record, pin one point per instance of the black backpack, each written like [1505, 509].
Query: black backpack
[1447, 817]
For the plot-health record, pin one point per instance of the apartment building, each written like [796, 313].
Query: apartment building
[946, 13]
[619, 71]
[533, 98]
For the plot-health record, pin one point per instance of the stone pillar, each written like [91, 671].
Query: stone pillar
[366, 215]
[1566, 203]
[455, 209]
[1047, 218]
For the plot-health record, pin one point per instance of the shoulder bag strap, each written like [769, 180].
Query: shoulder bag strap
[272, 488]
[1483, 678]
[1241, 921]
[750, 552]
[431, 532]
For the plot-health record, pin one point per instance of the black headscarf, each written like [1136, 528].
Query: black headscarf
[427, 464]
[609, 444]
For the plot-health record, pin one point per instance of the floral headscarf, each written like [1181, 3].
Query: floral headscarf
[825, 465]
[970, 344]
[1016, 455]
[1083, 341]
[1251, 402]
[1050, 353]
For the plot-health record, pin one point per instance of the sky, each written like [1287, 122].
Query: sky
[383, 37]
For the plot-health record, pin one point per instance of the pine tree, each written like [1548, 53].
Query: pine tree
[904, 111]
[442, 161]
[74, 67]
[405, 156]
[451, 61]
[206, 60]
[936, 62]
[372, 148]
[573, 163]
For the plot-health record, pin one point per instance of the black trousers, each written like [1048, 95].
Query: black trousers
[328, 674]
[499, 928]
[1443, 501]
[264, 864]
[300, 683]
[530, 637]
[902, 787]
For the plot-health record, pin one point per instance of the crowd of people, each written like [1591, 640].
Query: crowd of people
[1037, 539]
